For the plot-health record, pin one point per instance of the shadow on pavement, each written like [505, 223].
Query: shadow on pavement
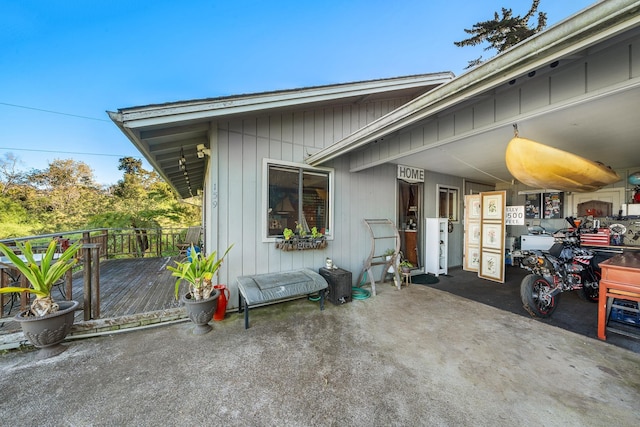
[573, 313]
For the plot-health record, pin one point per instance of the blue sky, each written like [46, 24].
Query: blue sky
[78, 59]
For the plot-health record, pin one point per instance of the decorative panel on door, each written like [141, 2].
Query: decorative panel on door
[472, 212]
[492, 228]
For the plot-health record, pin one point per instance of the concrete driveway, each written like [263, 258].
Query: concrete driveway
[418, 356]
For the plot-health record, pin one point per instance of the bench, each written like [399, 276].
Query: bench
[269, 288]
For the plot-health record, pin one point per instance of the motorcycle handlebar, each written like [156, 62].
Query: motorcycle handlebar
[580, 228]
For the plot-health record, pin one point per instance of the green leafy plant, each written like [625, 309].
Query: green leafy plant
[287, 233]
[406, 264]
[389, 252]
[315, 234]
[198, 272]
[300, 229]
[41, 274]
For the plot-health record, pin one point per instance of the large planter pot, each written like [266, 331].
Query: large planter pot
[48, 332]
[200, 312]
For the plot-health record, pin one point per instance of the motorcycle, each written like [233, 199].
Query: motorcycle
[565, 267]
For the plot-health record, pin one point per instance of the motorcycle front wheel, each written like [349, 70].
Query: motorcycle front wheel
[534, 292]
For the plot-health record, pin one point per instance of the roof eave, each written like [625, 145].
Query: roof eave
[117, 119]
[138, 117]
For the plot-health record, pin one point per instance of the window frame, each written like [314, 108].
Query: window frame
[301, 167]
[456, 208]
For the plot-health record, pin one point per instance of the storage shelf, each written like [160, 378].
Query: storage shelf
[436, 245]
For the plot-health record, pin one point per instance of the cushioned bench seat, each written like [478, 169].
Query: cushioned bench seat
[261, 289]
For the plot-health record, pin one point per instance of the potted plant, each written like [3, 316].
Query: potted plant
[288, 233]
[201, 299]
[47, 322]
[406, 266]
[288, 242]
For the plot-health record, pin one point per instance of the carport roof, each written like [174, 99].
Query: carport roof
[566, 40]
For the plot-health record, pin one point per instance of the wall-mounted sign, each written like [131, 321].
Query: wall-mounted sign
[409, 174]
[514, 215]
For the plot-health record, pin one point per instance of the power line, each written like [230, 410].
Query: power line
[66, 152]
[54, 112]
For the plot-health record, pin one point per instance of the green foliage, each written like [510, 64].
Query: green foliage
[64, 197]
[287, 233]
[315, 233]
[14, 219]
[300, 229]
[503, 33]
[40, 274]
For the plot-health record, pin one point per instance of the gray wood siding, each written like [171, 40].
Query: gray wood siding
[242, 146]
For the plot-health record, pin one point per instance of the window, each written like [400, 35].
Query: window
[448, 203]
[297, 195]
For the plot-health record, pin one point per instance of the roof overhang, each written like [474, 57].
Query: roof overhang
[167, 133]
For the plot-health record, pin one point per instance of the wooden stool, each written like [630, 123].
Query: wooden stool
[406, 278]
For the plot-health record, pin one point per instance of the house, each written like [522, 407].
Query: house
[332, 156]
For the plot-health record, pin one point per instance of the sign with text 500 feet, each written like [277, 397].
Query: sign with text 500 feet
[515, 215]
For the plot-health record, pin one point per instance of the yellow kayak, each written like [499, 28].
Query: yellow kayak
[541, 166]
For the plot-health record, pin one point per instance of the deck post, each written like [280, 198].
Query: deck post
[86, 280]
[3, 297]
[91, 280]
[68, 284]
[95, 281]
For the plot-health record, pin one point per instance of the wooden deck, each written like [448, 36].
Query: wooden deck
[127, 287]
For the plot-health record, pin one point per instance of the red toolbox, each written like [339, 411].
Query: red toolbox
[601, 238]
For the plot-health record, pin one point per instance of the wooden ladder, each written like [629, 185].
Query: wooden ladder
[381, 231]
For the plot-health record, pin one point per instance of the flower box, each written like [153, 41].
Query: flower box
[298, 243]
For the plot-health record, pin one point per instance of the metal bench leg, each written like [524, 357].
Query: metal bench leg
[246, 314]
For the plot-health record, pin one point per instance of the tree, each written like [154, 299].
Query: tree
[141, 201]
[503, 33]
[9, 176]
[65, 195]
[14, 219]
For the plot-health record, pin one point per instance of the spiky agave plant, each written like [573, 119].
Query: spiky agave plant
[41, 274]
[198, 272]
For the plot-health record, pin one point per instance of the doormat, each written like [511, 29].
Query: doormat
[424, 279]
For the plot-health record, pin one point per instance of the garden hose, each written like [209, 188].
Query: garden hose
[357, 292]
[314, 299]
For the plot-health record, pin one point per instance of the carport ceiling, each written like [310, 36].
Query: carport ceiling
[605, 130]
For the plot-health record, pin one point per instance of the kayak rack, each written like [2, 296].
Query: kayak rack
[384, 234]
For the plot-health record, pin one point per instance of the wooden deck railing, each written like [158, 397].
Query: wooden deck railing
[116, 242]
[103, 243]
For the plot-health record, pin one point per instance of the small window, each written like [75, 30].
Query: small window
[297, 195]
[448, 203]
